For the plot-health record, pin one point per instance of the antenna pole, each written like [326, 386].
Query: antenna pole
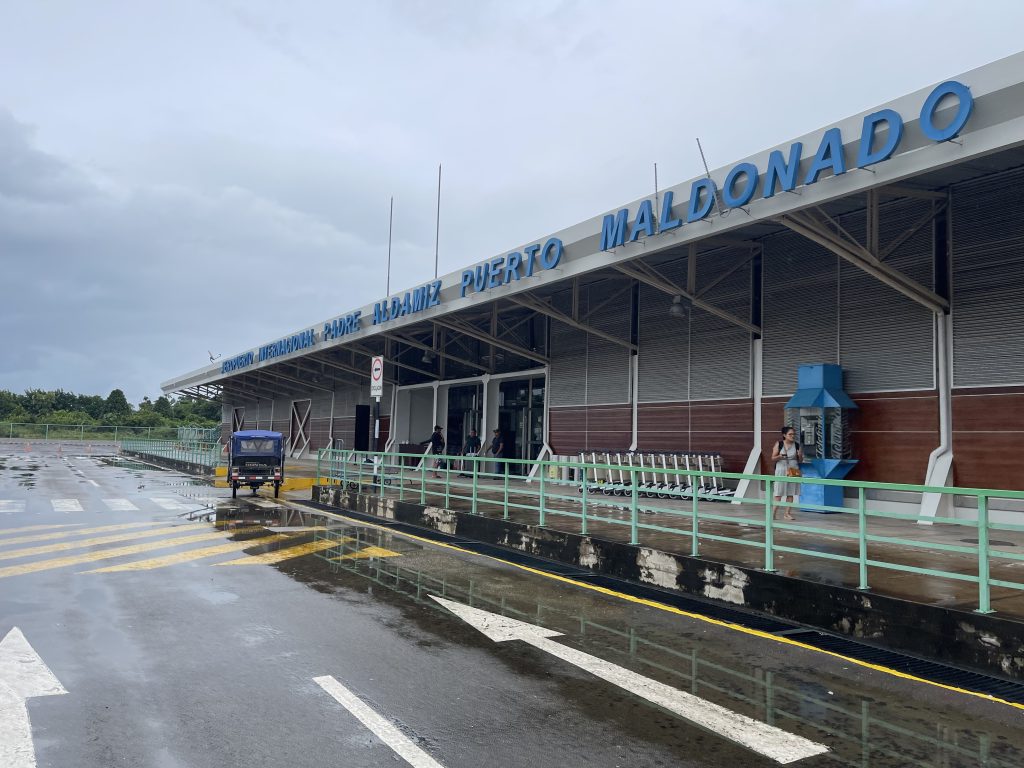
[657, 206]
[718, 202]
[437, 230]
[391, 221]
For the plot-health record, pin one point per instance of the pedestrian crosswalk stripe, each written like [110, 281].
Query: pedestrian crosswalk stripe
[171, 505]
[110, 554]
[368, 552]
[287, 553]
[24, 528]
[192, 554]
[64, 534]
[66, 505]
[64, 546]
[12, 505]
[120, 505]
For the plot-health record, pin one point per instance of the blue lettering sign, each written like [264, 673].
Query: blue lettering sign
[551, 253]
[667, 222]
[239, 361]
[512, 264]
[749, 172]
[695, 213]
[894, 124]
[494, 272]
[644, 223]
[531, 255]
[781, 171]
[341, 326]
[931, 104]
[829, 155]
[613, 231]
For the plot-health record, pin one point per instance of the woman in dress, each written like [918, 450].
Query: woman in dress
[786, 455]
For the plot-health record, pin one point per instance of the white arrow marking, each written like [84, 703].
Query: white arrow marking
[384, 730]
[779, 745]
[23, 675]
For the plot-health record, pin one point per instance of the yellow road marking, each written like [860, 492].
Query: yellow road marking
[64, 534]
[9, 531]
[688, 614]
[106, 554]
[100, 540]
[192, 554]
[280, 555]
[368, 552]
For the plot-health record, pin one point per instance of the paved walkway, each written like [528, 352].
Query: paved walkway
[735, 533]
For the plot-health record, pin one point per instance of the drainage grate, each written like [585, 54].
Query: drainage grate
[926, 670]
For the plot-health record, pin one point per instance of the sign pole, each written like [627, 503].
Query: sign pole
[376, 392]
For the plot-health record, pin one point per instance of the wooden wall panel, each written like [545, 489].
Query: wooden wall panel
[723, 416]
[576, 428]
[567, 430]
[988, 411]
[988, 438]
[663, 427]
[893, 433]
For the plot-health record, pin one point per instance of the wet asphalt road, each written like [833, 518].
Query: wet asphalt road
[182, 644]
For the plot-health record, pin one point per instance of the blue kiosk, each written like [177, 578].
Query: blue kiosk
[819, 411]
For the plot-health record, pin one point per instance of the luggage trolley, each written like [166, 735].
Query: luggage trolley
[647, 483]
[665, 482]
[585, 479]
[718, 486]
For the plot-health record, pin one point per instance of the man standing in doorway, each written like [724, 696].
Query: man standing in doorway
[497, 450]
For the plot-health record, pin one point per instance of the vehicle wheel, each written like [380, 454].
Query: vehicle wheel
[234, 490]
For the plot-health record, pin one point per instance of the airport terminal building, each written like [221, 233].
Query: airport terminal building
[890, 244]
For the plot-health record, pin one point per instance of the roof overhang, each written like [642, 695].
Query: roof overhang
[918, 166]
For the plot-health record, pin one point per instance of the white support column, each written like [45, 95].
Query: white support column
[634, 381]
[743, 489]
[940, 462]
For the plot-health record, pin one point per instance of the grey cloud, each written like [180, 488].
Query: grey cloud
[114, 279]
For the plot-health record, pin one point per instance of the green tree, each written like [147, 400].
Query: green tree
[117, 405]
[39, 403]
[163, 407]
[9, 404]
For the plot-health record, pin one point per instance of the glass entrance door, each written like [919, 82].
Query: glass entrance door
[464, 411]
[521, 418]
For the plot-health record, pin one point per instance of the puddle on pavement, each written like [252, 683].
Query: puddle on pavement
[872, 723]
[121, 462]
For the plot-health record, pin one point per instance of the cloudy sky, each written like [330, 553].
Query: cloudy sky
[163, 162]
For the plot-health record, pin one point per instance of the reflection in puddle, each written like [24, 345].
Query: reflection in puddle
[863, 728]
[124, 463]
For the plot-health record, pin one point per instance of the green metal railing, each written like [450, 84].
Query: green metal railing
[490, 487]
[201, 453]
[13, 430]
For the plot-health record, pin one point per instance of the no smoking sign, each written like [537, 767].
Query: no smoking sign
[377, 377]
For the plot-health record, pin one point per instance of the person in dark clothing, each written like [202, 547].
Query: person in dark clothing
[436, 443]
[497, 450]
[472, 448]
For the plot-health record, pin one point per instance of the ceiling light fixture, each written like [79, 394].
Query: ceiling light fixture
[677, 309]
